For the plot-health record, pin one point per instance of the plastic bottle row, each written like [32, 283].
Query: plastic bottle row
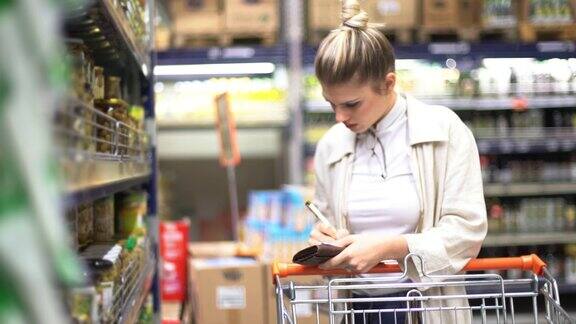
[503, 171]
[532, 215]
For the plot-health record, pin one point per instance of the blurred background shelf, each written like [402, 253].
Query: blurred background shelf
[442, 50]
[216, 55]
[88, 193]
[536, 238]
[525, 145]
[567, 288]
[529, 189]
[476, 103]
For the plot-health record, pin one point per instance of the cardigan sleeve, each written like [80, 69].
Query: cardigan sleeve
[321, 195]
[457, 234]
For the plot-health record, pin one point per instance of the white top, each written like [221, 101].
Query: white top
[385, 206]
[383, 199]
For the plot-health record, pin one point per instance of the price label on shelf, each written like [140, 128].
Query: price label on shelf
[519, 104]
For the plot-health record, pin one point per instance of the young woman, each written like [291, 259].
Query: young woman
[395, 175]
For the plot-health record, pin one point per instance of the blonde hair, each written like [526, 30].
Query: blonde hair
[354, 51]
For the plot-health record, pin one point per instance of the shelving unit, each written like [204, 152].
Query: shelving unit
[141, 282]
[478, 104]
[522, 239]
[95, 168]
[529, 189]
[140, 52]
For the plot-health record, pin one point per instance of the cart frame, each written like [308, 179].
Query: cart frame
[491, 298]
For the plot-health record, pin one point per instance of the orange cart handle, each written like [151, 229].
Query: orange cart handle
[527, 263]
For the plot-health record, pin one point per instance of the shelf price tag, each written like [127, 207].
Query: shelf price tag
[226, 128]
[519, 104]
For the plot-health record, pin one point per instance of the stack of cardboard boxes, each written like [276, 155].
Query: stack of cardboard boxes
[223, 20]
[398, 16]
[225, 289]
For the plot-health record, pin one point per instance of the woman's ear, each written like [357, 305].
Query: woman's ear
[389, 82]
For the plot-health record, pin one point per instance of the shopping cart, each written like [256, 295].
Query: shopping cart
[491, 299]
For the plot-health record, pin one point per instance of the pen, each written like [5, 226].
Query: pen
[317, 213]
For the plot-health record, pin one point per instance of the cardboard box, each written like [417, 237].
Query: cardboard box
[227, 291]
[179, 6]
[470, 13]
[509, 21]
[440, 13]
[324, 14]
[222, 249]
[306, 314]
[251, 17]
[393, 13]
[162, 38]
[213, 249]
[190, 19]
[451, 14]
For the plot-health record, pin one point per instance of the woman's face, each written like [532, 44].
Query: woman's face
[359, 105]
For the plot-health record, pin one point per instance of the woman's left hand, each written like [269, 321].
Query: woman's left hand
[364, 251]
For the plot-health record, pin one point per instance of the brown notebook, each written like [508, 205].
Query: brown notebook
[316, 254]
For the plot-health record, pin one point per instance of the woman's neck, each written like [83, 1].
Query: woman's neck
[388, 104]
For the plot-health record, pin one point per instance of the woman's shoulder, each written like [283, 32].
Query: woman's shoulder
[337, 141]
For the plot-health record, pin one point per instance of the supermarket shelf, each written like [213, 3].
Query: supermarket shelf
[106, 32]
[433, 51]
[518, 239]
[137, 295]
[474, 51]
[506, 146]
[82, 194]
[529, 189]
[320, 106]
[140, 54]
[210, 125]
[525, 145]
[503, 103]
[238, 54]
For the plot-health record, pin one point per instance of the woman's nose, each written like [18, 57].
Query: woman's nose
[341, 116]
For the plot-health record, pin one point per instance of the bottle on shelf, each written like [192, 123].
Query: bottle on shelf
[113, 138]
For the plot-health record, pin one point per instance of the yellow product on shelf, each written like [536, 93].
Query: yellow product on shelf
[131, 210]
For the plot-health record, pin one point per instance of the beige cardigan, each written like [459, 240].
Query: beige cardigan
[446, 168]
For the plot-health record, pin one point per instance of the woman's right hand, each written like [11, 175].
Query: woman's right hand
[323, 233]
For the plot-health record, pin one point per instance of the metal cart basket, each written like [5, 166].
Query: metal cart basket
[491, 299]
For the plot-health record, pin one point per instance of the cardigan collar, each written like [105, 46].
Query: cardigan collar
[423, 126]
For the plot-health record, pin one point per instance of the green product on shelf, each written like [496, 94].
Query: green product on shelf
[131, 211]
[570, 218]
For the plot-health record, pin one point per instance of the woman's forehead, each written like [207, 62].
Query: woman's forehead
[345, 91]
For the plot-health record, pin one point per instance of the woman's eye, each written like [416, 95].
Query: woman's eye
[352, 104]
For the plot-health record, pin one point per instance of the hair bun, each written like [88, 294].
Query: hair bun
[353, 16]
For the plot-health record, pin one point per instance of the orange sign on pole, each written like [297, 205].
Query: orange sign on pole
[226, 127]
